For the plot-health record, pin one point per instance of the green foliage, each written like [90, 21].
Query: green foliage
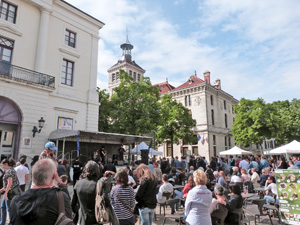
[104, 110]
[176, 122]
[134, 106]
[256, 120]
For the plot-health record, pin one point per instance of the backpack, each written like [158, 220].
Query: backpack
[101, 212]
[62, 218]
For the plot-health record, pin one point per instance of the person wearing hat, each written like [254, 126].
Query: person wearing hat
[49, 152]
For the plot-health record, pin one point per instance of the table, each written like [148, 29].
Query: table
[178, 186]
[258, 189]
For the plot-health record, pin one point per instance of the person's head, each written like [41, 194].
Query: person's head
[208, 167]
[164, 178]
[243, 171]
[222, 174]
[173, 170]
[109, 160]
[77, 158]
[91, 171]
[267, 170]
[199, 177]
[155, 164]
[291, 163]
[219, 190]
[60, 161]
[263, 171]
[235, 189]
[43, 172]
[22, 161]
[191, 181]
[64, 178]
[235, 169]
[272, 178]
[122, 178]
[50, 147]
[8, 163]
[143, 171]
[216, 174]
[164, 159]
[253, 170]
[176, 157]
[191, 168]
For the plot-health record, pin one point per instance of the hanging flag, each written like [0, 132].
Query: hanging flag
[203, 140]
[198, 137]
[78, 146]
[150, 146]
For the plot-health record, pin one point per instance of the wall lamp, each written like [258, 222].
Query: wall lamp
[41, 125]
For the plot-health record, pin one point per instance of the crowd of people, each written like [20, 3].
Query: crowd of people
[134, 190]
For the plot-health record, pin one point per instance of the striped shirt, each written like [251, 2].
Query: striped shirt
[127, 196]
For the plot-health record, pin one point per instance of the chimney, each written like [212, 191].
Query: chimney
[207, 77]
[195, 73]
[218, 84]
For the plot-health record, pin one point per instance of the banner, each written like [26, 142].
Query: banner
[288, 187]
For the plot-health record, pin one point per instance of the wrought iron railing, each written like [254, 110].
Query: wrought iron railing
[19, 73]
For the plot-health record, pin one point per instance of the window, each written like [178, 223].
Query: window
[113, 77]
[195, 150]
[214, 140]
[139, 77]
[8, 12]
[212, 117]
[134, 75]
[130, 73]
[117, 76]
[212, 100]
[224, 105]
[70, 38]
[67, 72]
[214, 145]
[169, 149]
[188, 100]
[226, 125]
[229, 142]
[6, 48]
[225, 140]
[232, 110]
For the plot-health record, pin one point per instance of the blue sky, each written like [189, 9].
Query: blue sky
[252, 46]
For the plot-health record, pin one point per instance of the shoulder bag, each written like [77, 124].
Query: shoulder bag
[62, 218]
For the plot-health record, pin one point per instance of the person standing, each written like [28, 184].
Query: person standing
[164, 166]
[22, 174]
[61, 169]
[121, 151]
[103, 155]
[146, 194]
[77, 169]
[176, 162]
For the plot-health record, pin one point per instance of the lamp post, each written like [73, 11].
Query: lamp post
[41, 125]
[154, 138]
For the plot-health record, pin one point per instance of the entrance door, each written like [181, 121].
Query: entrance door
[7, 140]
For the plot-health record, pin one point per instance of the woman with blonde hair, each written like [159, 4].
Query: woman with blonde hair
[146, 195]
[198, 201]
[221, 180]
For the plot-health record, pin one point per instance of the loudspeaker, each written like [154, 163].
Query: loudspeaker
[144, 156]
[115, 157]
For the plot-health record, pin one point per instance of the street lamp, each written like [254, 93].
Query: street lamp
[41, 125]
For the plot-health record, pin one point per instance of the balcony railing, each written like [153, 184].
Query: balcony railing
[22, 74]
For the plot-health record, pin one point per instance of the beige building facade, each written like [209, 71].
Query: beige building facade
[48, 69]
[212, 108]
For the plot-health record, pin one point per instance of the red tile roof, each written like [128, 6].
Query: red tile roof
[164, 87]
[193, 80]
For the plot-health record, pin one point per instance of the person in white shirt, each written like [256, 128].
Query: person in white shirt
[255, 178]
[131, 181]
[165, 187]
[271, 186]
[244, 164]
[22, 174]
[235, 178]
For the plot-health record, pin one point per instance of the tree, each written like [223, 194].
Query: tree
[176, 122]
[134, 106]
[104, 110]
[251, 123]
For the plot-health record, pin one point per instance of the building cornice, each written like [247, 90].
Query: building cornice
[4, 25]
[69, 52]
[124, 64]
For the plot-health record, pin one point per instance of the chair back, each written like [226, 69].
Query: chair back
[219, 214]
[172, 202]
[167, 194]
[239, 212]
[250, 186]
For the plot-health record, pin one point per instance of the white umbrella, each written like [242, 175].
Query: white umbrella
[290, 148]
[235, 151]
[144, 146]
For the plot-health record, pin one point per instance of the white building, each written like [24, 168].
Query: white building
[126, 64]
[211, 107]
[48, 68]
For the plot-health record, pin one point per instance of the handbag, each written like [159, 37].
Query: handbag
[101, 211]
[62, 219]
[13, 192]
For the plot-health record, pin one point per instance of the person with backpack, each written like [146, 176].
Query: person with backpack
[40, 204]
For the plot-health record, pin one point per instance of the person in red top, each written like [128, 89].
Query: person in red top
[237, 164]
[188, 186]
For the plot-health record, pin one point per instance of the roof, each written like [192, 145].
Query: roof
[96, 137]
[193, 80]
[133, 63]
[164, 87]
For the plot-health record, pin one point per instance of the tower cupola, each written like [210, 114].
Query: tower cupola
[126, 47]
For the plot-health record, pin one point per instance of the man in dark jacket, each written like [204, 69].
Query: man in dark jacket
[164, 166]
[77, 169]
[39, 205]
[109, 166]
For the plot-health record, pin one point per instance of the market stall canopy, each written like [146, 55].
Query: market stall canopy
[96, 137]
[236, 151]
[290, 148]
[143, 146]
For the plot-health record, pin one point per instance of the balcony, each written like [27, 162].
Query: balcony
[20, 74]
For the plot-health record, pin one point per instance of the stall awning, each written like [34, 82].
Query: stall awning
[96, 137]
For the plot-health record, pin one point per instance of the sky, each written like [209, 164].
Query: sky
[252, 46]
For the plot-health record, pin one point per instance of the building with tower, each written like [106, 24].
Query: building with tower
[126, 64]
[211, 107]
